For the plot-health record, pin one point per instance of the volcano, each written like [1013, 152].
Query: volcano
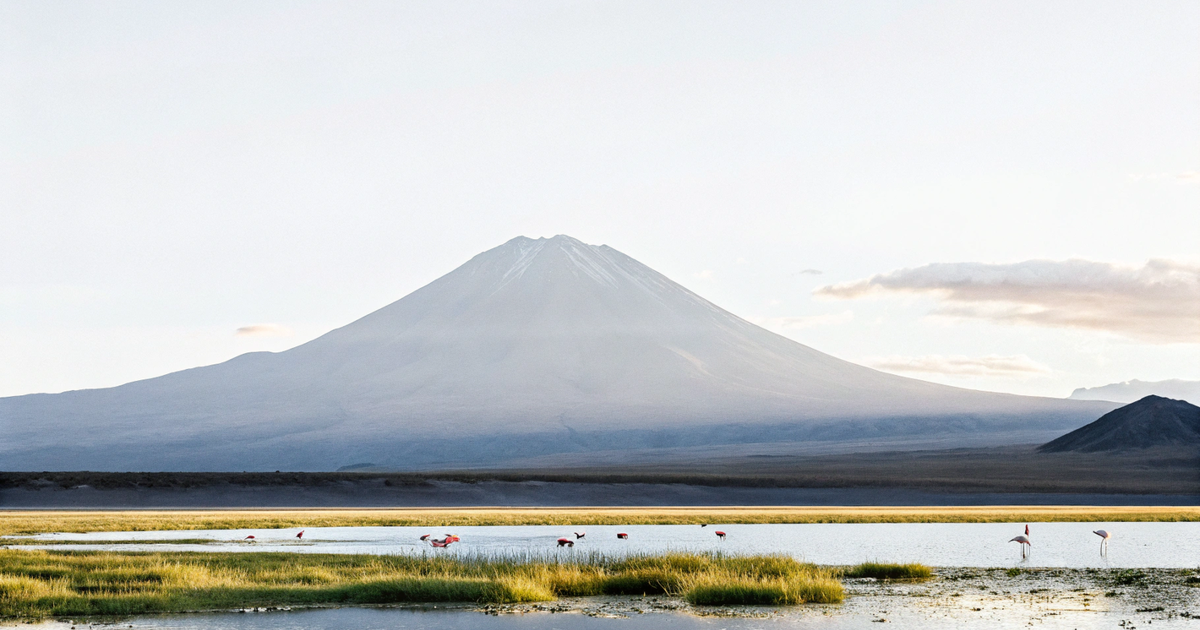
[1151, 421]
[537, 347]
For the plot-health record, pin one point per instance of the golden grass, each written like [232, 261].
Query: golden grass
[38, 584]
[30, 522]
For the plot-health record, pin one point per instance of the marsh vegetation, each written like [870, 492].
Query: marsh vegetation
[37, 584]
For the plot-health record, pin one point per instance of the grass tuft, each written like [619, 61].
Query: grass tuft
[888, 571]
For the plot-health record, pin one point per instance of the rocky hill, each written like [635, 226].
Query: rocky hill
[1151, 421]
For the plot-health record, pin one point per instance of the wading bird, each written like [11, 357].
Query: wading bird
[1104, 536]
[720, 534]
[703, 524]
[250, 537]
[1024, 540]
[622, 536]
[566, 542]
[425, 537]
[579, 535]
[301, 534]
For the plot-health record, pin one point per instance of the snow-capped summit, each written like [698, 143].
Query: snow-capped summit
[536, 347]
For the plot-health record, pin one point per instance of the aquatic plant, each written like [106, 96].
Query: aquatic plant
[36, 584]
[886, 571]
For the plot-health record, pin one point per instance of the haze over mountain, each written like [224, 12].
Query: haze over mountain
[1129, 391]
[536, 347]
[1151, 421]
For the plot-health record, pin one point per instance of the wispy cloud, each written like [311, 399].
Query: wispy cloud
[1183, 177]
[263, 330]
[810, 272]
[1157, 302]
[991, 365]
[703, 275]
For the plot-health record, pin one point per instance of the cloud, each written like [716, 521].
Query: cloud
[809, 272]
[1157, 302]
[1183, 177]
[991, 365]
[703, 275]
[263, 330]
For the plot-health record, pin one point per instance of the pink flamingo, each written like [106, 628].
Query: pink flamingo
[301, 534]
[579, 535]
[251, 537]
[720, 534]
[1024, 540]
[1104, 536]
[425, 537]
[566, 542]
[622, 536]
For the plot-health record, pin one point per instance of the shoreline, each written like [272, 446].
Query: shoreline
[80, 521]
[953, 598]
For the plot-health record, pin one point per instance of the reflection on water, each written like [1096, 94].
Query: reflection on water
[1141, 545]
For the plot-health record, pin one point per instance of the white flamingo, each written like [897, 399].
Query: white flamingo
[1104, 536]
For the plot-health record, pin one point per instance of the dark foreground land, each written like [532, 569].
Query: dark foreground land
[1011, 475]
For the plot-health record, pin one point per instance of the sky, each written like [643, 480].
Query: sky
[996, 195]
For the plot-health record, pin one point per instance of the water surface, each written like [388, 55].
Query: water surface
[1134, 545]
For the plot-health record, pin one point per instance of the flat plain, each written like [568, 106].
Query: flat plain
[45, 521]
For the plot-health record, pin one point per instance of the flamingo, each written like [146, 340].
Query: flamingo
[425, 537]
[622, 536]
[703, 524]
[250, 537]
[720, 534]
[1024, 540]
[1104, 536]
[301, 534]
[439, 543]
[579, 535]
[452, 538]
[566, 542]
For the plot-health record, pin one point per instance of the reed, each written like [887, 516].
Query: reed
[36, 584]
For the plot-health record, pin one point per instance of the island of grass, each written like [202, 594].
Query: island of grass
[887, 571]
[36, 584]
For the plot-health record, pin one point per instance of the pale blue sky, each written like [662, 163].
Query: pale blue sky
[171, 172]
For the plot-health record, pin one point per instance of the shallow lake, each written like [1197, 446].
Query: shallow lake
[1133, 545]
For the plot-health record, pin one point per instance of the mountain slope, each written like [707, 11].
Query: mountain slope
[1130, 391]
[532, 348]
[1151, 421]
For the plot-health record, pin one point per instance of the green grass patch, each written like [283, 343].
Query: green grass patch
[886, 571]
[36, 584]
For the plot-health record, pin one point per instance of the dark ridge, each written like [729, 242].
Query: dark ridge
[1151, 421]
